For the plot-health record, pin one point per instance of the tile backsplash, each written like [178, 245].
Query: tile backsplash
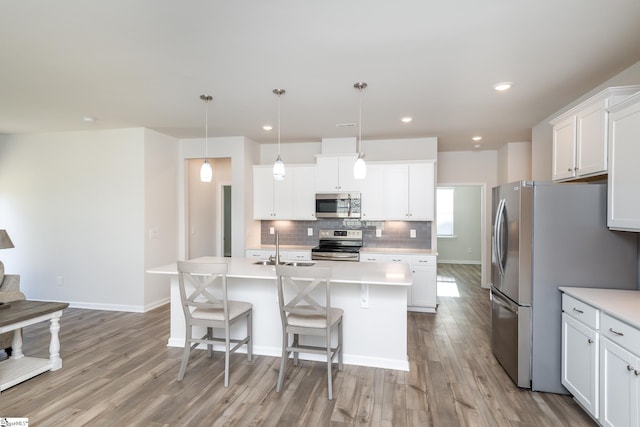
[395, 234]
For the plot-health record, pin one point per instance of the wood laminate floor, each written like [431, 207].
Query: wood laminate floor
[117, 371]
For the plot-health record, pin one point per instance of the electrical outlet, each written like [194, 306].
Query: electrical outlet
[412, 234]
[378, 232]
[469, 250]
[59, 280]
[309, 231]
[272, 230]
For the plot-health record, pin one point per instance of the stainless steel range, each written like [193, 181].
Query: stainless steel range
[338, 245]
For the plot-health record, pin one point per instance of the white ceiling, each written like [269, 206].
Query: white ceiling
[132, 63]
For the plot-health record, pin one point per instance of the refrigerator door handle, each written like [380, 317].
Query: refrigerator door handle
[499, 253]
[504, 303]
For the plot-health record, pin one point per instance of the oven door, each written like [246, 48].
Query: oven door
[335, 256]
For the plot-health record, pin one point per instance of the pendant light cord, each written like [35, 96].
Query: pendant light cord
[206, 127]
[279, 124]
[360, 125]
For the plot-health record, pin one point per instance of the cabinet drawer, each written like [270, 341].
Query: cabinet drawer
[297, 255]
[621, 333]
[398, 258]
[585, 313]
[371, 257]
[424, 260]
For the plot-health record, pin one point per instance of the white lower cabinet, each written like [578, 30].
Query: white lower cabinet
[261, 254]
[421, 296]
[619, 373]
[601, 362]
[580, 362]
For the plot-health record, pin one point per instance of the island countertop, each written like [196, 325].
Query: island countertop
[384, 273]
[373, 297]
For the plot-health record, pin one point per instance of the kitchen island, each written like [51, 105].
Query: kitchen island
[373, 297]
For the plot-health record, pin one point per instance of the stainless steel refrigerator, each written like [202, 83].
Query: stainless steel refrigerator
[545, 236]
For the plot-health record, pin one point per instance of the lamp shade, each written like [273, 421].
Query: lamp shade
[5, 240]
[206, 171]
[279, 171]
[360, 168]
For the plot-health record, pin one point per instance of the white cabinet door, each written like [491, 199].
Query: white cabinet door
[371, 193]
[262, 193]
[591, 139]
[564, 153]
[421, 191]
[409, 191]
[623, 207]
[335, 173]
[423, 290]
[580, 362]
[619, 386]
[304, 201]
[396, 192]
[282, 198]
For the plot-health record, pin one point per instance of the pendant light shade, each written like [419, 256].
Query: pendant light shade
[360, 167]
[279, 172]
[206, 171]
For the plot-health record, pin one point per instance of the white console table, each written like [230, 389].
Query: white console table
[18, 314]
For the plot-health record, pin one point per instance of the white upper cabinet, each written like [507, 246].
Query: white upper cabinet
[304, 200]
[580, 136]
[335, 174]
[293, 198]
[371, 192]
[623, 204]
[409, 191]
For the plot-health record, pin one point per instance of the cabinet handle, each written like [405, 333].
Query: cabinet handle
[569, 170]
[578, 311]
[616, 332]
[590, 341]
[630, 368]
[637, 373]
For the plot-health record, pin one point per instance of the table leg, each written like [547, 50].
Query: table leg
[16, 344]
[54, 346]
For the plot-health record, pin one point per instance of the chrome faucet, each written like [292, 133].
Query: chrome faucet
[277, 248]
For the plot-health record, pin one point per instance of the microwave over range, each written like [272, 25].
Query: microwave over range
[338, 205]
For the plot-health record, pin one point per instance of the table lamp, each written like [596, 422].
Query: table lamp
[5, 243]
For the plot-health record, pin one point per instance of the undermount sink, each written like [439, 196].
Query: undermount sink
[300, 263]
[267, 262]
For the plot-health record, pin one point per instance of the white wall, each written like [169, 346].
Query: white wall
[514, 162]
[473, 167]
[161, 213]
[465, 247]
[74, 205]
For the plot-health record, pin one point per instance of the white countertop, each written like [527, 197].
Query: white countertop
[384, 273]
[621, 304]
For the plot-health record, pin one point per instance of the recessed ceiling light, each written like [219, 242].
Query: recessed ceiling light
[406, 119]
[88, 119]
[477, 138]
[267, 127]
[501, 87]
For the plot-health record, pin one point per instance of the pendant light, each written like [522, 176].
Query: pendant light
[206, 171]
[360, 167]
[278, 167]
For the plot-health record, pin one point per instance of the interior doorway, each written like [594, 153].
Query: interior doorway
[204, 208]
[226, 220]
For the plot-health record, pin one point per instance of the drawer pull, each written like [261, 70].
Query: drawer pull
[637, 373]
[578, 311]
[630, 368]
[616, 332]
[590, 341]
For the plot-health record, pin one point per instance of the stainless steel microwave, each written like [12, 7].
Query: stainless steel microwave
[338, 205]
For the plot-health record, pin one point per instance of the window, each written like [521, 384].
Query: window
[444, 216]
